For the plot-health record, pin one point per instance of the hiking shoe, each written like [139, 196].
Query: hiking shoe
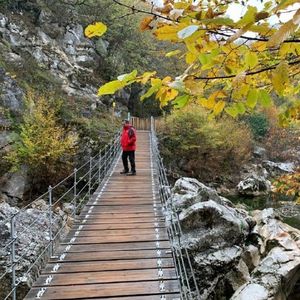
[124, 172]
[131, 174]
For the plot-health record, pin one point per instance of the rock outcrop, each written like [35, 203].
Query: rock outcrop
[255, 182]
[61, 50]
[235, 255]
[32, 227]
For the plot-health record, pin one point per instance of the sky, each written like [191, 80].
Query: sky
[235, 11]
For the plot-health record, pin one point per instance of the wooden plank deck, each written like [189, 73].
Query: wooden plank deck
[118, 248]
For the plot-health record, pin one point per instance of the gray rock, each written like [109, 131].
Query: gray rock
[259, 152]
[234, 254]
[280, 167]
[255, 181]
[3, 20]
[32, 227]
[209, 224]
[11, 96]
[14, 184]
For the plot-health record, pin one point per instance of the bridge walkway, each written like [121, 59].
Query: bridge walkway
[118, 247]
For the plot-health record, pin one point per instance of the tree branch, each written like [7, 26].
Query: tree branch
[246, 73]
[138, 10]
[251, 38]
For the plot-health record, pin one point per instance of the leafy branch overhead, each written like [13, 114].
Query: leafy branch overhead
[231, 64]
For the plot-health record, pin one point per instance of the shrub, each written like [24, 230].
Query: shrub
[259, 124]
[41, 143]
[208, 150]
[282, 143]
[289, 185]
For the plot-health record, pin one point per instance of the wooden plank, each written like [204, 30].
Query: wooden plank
[119, 215]
[122, 209]
[118, 220]
[112, 255]
[105, 277]
[106, 290]
[134, 264]
[112, 226]
[152, 297]
[122, 232]
[114, 247]
[116, 239]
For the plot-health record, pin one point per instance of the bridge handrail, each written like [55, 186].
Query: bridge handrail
[181, 256]
[84, 180]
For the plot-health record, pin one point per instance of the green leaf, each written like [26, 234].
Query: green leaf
[218, 21]
[240, 108]
[151, 91]
[232, 111]
[187, 31]
[265, 98]
[203, 59]
[249, 16]
[181, 101]
[128, 77]
[252, 98]
[251, 59]
[110, 87]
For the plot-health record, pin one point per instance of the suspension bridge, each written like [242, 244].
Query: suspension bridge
[125, 240]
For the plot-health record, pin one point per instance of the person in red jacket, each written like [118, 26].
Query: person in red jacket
[128, 143]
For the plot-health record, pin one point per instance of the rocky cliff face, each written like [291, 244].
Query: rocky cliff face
[58, 48]
[43, 47]
[236, 255]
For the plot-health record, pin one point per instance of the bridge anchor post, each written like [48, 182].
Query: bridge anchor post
[13, 255]
[50, 221]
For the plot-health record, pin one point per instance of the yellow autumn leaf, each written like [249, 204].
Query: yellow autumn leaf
[168, 32]
[280, 78]
[193, 87]
[218, 108]
[145, 23]
[173, 53]
[146, 76]
[207, 103]
[95, 29]
[285, 30]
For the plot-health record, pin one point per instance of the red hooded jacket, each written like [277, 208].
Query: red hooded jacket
[128, 138]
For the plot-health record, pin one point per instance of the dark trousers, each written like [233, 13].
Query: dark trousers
[131, 156]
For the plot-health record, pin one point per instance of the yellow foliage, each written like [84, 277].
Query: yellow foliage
[95, 29]
[289, 185]
[42, 143]
[223, 53]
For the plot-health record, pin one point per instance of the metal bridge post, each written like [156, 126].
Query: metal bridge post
[50, 221]
[99, 168]
[75, 190]
[13, 256]
[105, 160]
[90, 176]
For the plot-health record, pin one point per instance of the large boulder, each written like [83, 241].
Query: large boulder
[233, 253]
[14, 185]
[277, 274]
[255, 182]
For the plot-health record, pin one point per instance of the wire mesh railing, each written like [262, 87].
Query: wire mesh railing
[76, 189]
[182, 260]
